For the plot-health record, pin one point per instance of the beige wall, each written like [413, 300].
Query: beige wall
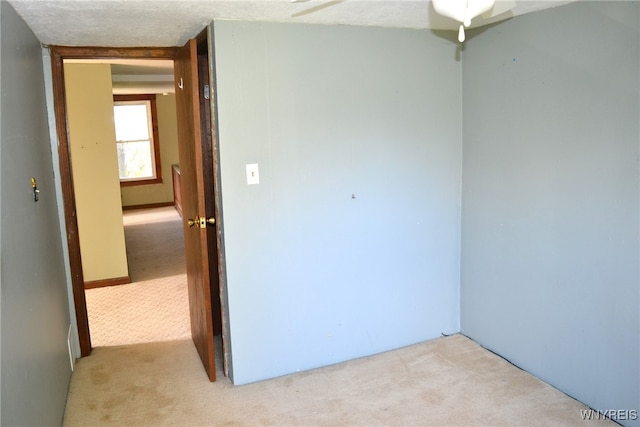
[168, 135]
[95, 171]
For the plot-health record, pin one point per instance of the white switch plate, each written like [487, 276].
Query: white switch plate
[253, 175]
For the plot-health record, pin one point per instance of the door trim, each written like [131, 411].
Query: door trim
[58, 55]
[208, 37]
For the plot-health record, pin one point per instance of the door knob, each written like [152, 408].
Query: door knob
[201, 221]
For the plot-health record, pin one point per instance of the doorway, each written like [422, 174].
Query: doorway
[155, 305]
[58, 56]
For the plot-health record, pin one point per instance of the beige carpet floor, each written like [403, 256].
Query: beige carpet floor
[449, 381]
[145, 370]
[155, 306]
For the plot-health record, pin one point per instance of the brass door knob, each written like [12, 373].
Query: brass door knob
[201, 221]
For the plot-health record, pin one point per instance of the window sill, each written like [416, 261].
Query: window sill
[140, 182]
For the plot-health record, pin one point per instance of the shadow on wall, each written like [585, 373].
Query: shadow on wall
[452, 36]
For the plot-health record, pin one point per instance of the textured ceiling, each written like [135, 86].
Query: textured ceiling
[116, 23]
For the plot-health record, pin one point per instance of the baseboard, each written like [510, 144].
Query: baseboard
[148, 206]
[107, 282]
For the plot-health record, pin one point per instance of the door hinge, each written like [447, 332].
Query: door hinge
[207, 95]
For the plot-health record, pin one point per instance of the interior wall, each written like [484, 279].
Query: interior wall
[550, 230]
[168, 135]
[35, 364]
[349, 245]
[95, 170]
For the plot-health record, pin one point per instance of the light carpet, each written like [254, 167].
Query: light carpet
[155, 306]
[449, 381]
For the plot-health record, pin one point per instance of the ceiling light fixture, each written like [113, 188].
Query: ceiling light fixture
[462, 11]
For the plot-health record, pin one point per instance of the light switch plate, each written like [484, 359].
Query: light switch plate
[253, 175]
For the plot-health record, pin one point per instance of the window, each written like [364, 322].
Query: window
[137, 142]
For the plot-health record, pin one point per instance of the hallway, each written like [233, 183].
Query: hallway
[155, 306]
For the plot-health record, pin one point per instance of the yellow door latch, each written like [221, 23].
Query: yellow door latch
[201, 221]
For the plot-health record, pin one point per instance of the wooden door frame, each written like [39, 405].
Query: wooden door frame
[58, 55]
[207, 38]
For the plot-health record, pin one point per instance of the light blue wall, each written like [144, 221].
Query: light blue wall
[34, 311]
[350, 243]
[550, 234]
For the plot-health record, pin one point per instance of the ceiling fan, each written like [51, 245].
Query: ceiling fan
[464, 11]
